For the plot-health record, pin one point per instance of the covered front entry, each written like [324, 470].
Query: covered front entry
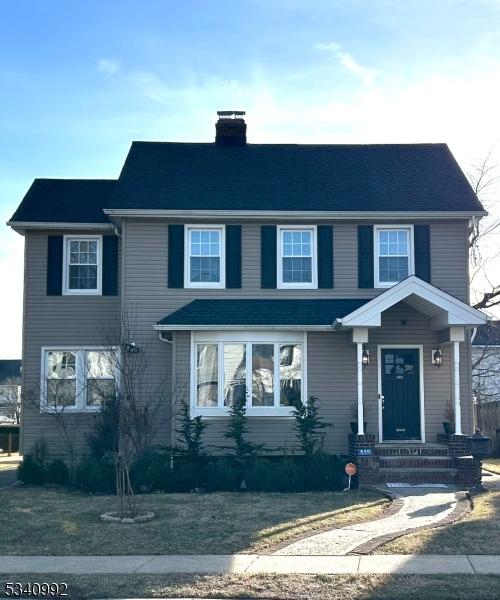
[400, 394]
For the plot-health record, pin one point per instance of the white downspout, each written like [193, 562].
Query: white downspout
[359, 351]
[456, 387]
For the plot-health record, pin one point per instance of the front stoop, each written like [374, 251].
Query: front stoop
[413, 462]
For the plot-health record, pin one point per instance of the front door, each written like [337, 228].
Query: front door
[400, 394]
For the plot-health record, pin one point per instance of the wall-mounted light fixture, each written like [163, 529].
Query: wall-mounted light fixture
[437, 358]
[365, 358]
[131, 348]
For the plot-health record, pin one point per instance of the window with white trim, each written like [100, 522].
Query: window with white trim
[266, 375]
[205, 257]
[297, 266]
[82, 265]
[393, 254]
[78, 379]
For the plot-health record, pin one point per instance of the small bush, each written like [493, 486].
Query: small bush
[150, 472]
[57, 472]
[223, 475]
[95, 476]
[31, 471]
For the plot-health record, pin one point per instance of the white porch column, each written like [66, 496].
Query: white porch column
[360, 337]
[456, 387]
[457, 335]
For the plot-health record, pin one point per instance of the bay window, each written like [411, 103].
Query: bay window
[263, 371]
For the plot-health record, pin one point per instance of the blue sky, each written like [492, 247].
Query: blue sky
[80, 80]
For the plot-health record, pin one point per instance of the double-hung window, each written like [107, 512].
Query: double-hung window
[297, 266]
[82, 258]
[78, 379]
[393, 254]
[262, 371]
[205, 261]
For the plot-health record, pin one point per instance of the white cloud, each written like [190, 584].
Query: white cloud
[108, 66]
[366, 74]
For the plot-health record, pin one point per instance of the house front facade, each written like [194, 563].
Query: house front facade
[262, 273]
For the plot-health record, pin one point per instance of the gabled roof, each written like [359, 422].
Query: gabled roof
[296, 178]
[65, 201]
[9, 368]
[487, 335]
[445, 310]
[217, 314]
[293, 177]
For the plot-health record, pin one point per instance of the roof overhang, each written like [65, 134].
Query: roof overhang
[21, 226]
[242, 327]
[291, 215]
[443, 309]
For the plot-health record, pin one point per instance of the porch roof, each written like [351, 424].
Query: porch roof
[443, 309]
[288, 313]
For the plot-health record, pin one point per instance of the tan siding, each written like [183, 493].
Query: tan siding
[55, 321]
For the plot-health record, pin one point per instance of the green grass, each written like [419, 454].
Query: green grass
[492, 464]
[477, 533]
[275, 587]
[51, 521]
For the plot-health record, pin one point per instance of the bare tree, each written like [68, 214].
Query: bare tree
[10, 399]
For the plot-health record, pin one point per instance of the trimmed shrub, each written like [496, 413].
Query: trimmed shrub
[95, 476]
[57, 472]
[31, 471]
[223, 475]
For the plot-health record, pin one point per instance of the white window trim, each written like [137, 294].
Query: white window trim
[279, 256]
[84, 238]
[187, 255]
[411, 253]
[80, 372]
[242, 337]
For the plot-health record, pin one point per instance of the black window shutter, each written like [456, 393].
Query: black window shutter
[268, 256]
[325, 256]
[365, 256]
[176, 256]
[109, 265]
[233, 256]
[54, 265]
[422, 240]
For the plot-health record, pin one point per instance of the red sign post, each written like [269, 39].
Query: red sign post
[350, 470]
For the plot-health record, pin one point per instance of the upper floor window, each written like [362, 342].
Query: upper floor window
[205, 260]
[82, 265]
[393, 254]
[297, 266]
[77, 379]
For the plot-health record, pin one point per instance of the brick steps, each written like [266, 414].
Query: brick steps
[415, 461]
[418, 475]
[411, 450]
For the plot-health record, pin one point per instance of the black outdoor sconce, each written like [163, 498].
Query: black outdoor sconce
[131, 348]
[480, 447]
[365, 358]
[437, 358]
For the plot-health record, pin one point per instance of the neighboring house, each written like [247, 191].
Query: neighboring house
[10, 391]
[275, 272]
[486, 362]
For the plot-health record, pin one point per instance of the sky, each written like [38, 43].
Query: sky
[80, 80]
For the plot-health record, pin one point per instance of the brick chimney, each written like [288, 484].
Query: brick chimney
[231, 129]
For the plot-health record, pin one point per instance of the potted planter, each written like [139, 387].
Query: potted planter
[449, 419]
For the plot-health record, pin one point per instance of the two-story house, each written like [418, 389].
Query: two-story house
[273, 272]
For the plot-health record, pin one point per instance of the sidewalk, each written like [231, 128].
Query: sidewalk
[411, 564]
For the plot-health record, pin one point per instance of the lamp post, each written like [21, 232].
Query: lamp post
[480, 447]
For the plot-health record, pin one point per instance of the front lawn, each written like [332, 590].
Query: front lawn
[477, 533]
[276, 587]
[57, 522]
[492, 464]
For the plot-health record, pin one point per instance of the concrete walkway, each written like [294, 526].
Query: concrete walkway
[419, 508]
[252, 564]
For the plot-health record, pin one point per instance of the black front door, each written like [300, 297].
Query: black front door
[401, 394]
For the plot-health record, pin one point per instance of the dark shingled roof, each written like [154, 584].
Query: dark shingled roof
[65, 201]
[8, 369]
[393, 177]
[262, 312]
[488, 335]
